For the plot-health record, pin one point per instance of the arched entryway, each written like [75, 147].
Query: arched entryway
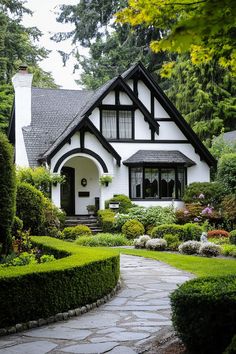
[82, 187]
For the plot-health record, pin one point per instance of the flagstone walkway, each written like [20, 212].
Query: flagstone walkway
[134, 317]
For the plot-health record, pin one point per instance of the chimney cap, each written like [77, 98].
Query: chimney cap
[23, 67]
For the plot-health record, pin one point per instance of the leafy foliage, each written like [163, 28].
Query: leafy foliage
[103, 240]
[124, 202]
[206, 28]
[132, 228]
[7, 193]
[39, 177]
[212, 301]
[30, 208]
[220, 146]
[72, 232]
[226, 173]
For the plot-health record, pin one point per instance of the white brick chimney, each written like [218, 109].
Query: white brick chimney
[22, 82]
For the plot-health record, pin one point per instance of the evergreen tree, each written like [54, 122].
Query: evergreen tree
[204, 94]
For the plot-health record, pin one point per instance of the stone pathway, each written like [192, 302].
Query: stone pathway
[133, 318]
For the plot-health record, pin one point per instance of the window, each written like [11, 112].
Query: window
[117, 124]
[157, 182]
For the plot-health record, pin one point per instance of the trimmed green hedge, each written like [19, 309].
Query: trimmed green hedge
[204, 313]
[39, 291]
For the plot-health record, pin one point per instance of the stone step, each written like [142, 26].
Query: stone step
[90, 221]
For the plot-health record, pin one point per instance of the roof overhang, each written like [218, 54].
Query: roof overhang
[159, 157]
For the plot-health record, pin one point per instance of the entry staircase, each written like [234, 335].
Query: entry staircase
[89, 220]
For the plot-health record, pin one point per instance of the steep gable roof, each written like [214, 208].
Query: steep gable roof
[52, 111]
[140, 71]
[92, 103]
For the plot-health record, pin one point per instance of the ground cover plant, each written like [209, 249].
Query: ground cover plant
[103, 240]
[82, 276]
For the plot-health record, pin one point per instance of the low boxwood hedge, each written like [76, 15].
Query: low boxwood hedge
[204, 313]
[39, 291]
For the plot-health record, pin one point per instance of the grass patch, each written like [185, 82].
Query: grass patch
[199, 266]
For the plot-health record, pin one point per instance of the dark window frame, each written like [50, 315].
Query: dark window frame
[117, 109]
[160, 167]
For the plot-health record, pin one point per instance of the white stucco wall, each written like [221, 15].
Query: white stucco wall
[144, 95]
[159, 111]
[169, 131]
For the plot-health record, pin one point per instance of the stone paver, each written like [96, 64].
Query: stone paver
[138, 313]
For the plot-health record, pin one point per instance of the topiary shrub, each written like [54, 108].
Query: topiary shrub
[232, 237]
[123, 200]
[204, 313]
[192, 232]
[190, 247]
[203, 192]
[30, 208]
[54, 218]
[161, 230]
[156, 244]
[107, 220]
[173, 241]
[7, 193]
[132, 229]
[209, 249]
[141, 241]
[72, 232]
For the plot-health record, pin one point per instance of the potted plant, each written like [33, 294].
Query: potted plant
[104, 180]
[91, 209]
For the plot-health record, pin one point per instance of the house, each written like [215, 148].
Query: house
[127, 129]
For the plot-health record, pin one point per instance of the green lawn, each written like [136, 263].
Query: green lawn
[199, 266]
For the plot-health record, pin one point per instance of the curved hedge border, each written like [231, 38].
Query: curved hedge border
[40, 291]
[204, 313]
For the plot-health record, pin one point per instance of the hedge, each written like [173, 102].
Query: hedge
[7, 193]
[39, 291]
[204, 313]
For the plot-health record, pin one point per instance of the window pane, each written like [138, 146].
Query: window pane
[136, 182]
[168, 183]
[181, 182]
[125, 124]
[109, 124]
[151, 189]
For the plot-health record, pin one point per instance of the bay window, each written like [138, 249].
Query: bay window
[157, 182]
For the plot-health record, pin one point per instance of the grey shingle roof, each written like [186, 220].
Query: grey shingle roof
[143, 157]
[52, 111]
[230, 136]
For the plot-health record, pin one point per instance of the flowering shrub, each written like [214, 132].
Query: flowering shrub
[141, 241]
[209, 249]
[190, 247]
[151, 216]
[217, 233]
[157, 244]
[203, 193]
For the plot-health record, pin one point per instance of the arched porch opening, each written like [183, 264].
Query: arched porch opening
[82, 187]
